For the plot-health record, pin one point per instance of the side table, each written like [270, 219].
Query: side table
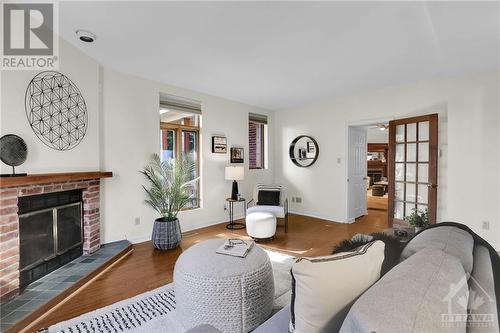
[235, 225]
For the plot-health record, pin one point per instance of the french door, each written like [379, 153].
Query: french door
[413, 158]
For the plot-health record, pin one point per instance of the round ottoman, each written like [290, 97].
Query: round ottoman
[230, 293]
[261, 224]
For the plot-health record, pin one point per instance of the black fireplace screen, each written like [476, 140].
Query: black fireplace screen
[50, 232]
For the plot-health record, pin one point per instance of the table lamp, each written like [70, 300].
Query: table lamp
[235, 173]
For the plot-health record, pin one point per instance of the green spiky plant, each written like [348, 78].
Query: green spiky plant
[418, 218]
[168, 180]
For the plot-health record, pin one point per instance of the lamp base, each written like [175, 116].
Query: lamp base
[234, 193]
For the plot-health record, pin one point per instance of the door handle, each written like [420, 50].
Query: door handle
[432, 185]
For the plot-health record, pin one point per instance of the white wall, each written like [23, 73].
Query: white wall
[374, 135]
[83, 71]
[122, 134]
[131, 135]
[469, 125]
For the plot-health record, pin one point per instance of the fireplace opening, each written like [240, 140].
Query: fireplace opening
[50, 233]
[375, 175]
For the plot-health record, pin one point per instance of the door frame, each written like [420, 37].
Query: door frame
[355, 123]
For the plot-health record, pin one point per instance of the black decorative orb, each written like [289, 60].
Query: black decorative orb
[13, 150]
[56, 110]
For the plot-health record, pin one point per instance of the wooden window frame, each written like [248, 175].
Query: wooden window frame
[178, 129]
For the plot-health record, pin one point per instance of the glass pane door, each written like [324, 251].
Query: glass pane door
[412, 156]
[413, 167]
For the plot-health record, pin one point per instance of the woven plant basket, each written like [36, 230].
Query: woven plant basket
[166, 235]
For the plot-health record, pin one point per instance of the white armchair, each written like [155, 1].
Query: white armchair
[280, 211]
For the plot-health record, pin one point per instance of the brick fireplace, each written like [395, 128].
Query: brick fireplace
[14, 188]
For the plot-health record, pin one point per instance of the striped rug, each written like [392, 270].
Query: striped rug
[154, 311]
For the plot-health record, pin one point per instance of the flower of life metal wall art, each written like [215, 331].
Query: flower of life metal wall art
[56, 110]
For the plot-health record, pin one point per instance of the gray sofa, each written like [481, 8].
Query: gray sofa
[445, 282]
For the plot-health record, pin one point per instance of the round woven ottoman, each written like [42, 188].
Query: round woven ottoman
[261, 225]
[230, 293]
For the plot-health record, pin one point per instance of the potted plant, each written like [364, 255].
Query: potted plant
[418, 219]
[168, 193]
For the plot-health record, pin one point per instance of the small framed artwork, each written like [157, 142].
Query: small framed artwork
[237, 155]
[219, 144]
[310, 147]
[302, 153]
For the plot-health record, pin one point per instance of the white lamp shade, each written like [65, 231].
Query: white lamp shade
[235, 173]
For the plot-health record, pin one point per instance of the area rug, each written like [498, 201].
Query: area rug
[154, 311]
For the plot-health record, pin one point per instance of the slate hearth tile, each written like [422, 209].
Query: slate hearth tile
[32, 305]
[48, 285]
[28, 294]
[33, 285]
[61, 286]
[4, 327]
[3, 313]
[47, 294]
[13, 305]
[88, 260]
[14, 317]
[73, 278]
[58, 278]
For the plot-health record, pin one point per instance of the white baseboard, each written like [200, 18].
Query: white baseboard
[190, 227]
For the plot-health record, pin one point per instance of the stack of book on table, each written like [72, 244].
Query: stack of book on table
[235, 248]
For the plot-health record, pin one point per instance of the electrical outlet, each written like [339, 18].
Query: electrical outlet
[293, 199]
[137, 220]
[298, 200]
[486, 225]
[339, 160]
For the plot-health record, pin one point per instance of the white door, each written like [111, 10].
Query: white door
[357, 172]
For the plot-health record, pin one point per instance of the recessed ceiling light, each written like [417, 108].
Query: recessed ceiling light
[86, 36]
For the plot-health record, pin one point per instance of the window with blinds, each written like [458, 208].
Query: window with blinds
[257, 141]
[180, 135]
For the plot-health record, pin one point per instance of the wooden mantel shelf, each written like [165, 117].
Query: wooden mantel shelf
[46, 178]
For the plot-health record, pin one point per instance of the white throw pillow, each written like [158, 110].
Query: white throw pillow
[323, 287]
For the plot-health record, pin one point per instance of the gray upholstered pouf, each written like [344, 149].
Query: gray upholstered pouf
[230, 293]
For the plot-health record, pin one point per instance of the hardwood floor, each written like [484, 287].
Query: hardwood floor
[377, 203]
[147, 268]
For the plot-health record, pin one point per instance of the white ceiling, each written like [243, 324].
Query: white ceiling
[281, 55]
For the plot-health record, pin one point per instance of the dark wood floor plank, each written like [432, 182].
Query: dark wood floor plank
[146, 268]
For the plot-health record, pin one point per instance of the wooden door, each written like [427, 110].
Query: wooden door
[413, 167]
[357, 172]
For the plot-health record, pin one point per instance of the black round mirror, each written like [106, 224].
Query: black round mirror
[304, 151]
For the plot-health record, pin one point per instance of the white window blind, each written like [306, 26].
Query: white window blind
[175, 103]
[257, 118]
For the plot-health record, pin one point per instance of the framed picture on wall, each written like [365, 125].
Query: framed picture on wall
[219, 144]
[237, 155]
[310, 147]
